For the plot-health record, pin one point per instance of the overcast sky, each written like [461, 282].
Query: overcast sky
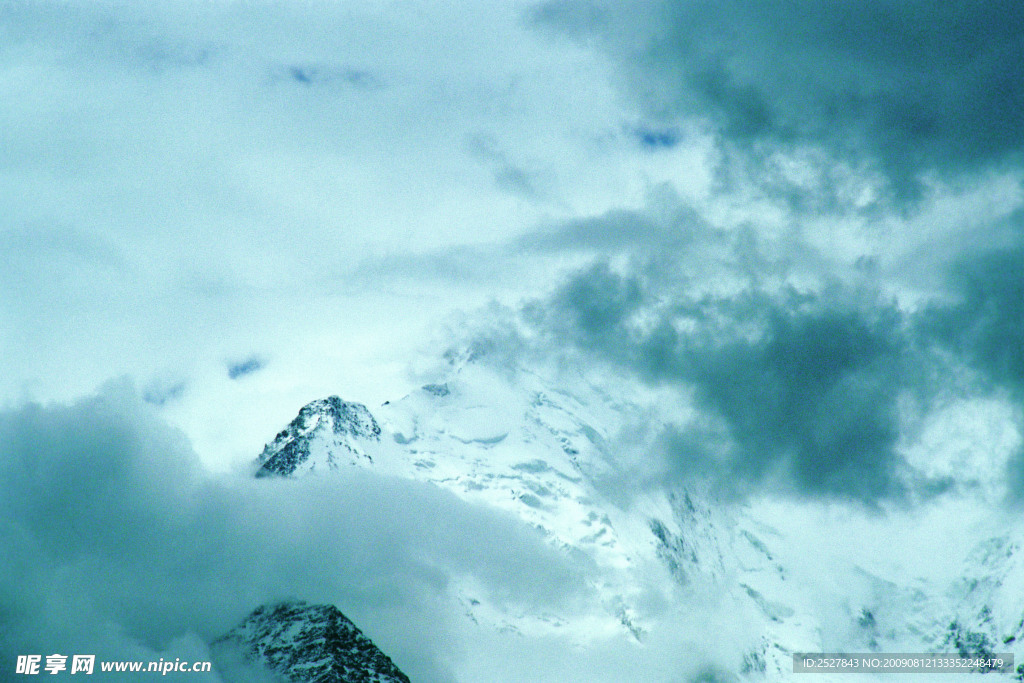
[807, 214]
[304, 188]
[245, 206]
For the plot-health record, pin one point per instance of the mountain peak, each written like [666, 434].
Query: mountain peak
[345, 423]
[312, 644]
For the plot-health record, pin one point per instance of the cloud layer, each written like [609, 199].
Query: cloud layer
[119, 545]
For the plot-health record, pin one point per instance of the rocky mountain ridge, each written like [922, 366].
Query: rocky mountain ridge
[305, 643]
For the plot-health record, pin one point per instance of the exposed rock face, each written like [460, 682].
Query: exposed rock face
[338, 425]
[312, 644]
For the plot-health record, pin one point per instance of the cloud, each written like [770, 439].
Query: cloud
[614, 230]
[982, 328]
[806, 378]
[912, 87]
[797, 390]
[118, 544]
[985, 326]
[815, 393]
[163, 390]
[666, 224]
[246, 367]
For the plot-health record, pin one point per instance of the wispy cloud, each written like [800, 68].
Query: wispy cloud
[245, 367]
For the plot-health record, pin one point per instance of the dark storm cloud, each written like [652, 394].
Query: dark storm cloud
[117, 544]
[914, 86]
[796, 389]
[817, 393]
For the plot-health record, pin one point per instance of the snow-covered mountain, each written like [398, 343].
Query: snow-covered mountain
[556, 451]
[329, 432]
[311, 644]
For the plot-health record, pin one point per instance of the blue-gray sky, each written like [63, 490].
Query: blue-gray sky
[805, 216]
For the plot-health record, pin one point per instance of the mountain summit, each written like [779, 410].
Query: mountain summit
[331, 423]
[312, 644]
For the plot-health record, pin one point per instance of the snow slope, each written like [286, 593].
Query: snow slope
[560, 452]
